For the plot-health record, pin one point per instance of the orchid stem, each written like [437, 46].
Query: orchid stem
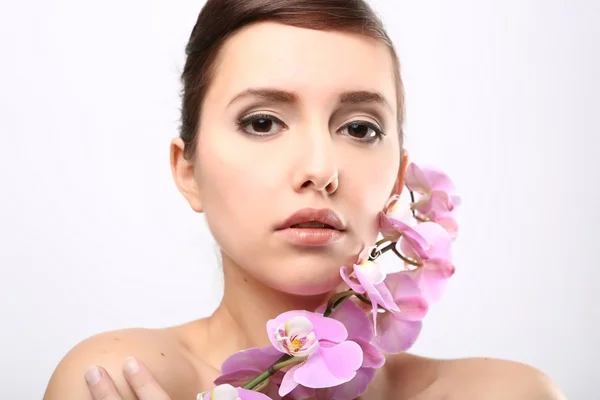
[283, 361]
[294, 360]
[363, 298]
[406, 259]
[392, 246]
[286, 359]
[377, 251]
[382, 241]
[412, 200]
[336, 301]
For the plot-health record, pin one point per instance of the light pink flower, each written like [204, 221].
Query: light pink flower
[332, 362]
[438, 198]
[296, 337]
[398, 331]
[437, 267]
[388, 216]
[393, 228]
[360, 330]
[448, 222]
[369, 278]
[228, 392]
[243, 366]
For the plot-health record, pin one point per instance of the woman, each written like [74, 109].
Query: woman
[292, 112]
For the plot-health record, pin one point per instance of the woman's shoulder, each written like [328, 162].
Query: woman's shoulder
[159, 349]
[470, 378]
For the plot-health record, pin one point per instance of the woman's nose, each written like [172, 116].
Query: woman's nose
[317, 167]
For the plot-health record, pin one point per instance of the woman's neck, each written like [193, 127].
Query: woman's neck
[240, 320]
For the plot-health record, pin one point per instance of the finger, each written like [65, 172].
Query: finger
[100, 384]
[142, 381]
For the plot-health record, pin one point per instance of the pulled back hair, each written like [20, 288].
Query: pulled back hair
[219, 19]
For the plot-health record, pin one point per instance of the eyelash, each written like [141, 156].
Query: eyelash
[242, 122]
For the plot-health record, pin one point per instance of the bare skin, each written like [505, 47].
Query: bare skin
[172, 368]
[247, 182]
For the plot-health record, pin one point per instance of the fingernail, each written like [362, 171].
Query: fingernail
[131, 365]
[92, 375]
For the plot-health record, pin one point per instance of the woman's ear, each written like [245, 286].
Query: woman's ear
[183, 175]
[399, 185]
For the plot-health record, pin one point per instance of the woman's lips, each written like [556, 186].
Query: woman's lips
[312, 227]
[311, 236]
[324, 216]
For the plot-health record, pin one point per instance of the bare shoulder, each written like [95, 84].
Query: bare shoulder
[420, 378]
[158, 349]
[494, 379]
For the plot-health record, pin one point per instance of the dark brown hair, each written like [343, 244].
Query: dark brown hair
[219, 19]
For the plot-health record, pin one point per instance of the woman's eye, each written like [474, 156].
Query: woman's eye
[259, 124]
[267, 125]
[363, 131]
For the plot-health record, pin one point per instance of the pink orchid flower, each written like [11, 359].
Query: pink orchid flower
[391, 216]
[399, 331]
[331, 360]
[228, 392]
[448, 222]
[436, 262]
[369, 278]
[393, 228]
[243, 366]
[438, 195]
[360, 330]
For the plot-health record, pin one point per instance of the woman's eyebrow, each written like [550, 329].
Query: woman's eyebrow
[365, 97]
[287, 97]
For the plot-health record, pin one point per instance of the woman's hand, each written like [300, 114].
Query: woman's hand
[138, 377]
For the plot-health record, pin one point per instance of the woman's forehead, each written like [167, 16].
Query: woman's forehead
[311, 63]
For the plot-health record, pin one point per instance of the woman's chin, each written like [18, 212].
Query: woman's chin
[307, 283]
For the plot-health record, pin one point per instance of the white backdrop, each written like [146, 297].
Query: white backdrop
[94, 236]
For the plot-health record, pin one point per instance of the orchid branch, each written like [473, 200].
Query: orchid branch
[285, 361]
[298, 333]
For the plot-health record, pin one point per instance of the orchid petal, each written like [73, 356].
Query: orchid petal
[395, 334]
[351, 281]
[295, 337]
[440, 267]
[301, 393]
[378, 293]
[439, 240]
[425, 180]
[237, 378]
[430, 282]
[251, 395]
[369, 271]
[438, 180]
[416, 180]
[411, 237]
[298, 325]
[387, 229]
[324, 328]
[386, 300]
[355, 387]
[289, 382]
[372, 356]
[436, 203]
[256, 358]
[224, 392]
[447, 221]
[331, 366]
[228, 392]
[354, 319]
[407, 296]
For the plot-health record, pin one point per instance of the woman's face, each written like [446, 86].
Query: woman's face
[274, 139]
